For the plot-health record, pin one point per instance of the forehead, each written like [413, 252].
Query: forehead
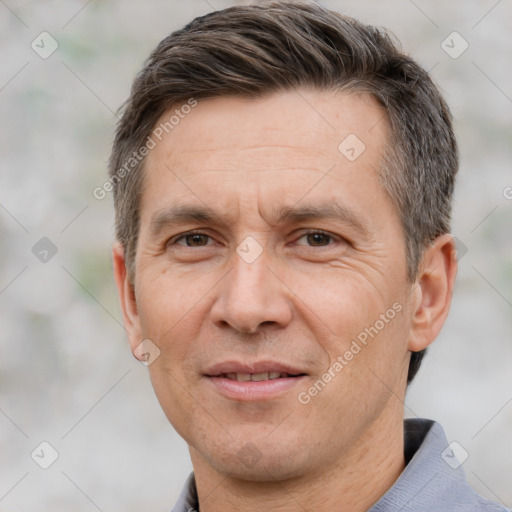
[272, 147]
[300, 118]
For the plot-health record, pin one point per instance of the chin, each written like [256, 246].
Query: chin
[266, 469]
[258, 461]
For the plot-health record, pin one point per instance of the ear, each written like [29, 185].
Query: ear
[127, 298]
[434, 289]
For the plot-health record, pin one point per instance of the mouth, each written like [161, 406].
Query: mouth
[259, 381]
[258, 377]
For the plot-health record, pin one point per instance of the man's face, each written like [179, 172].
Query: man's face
[298, 262]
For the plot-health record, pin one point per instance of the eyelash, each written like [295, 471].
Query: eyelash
[175, 240]
[332, 238]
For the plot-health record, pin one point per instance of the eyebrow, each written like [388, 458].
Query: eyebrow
[182, 214]
[331, 211]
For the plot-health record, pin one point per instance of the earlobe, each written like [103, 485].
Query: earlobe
[127, 297]
[434, 291]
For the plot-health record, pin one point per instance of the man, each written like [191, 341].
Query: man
[283, 178]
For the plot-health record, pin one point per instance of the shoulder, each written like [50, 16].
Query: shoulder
[485, 505]
[432, 480]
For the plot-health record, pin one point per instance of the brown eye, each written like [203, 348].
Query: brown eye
[196, 240]
[318, 239]
[193, 240]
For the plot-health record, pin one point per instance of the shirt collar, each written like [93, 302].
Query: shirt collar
[433, 478]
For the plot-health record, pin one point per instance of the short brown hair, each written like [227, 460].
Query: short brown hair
[260, 49]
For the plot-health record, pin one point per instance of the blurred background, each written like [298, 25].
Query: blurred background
[67, 376]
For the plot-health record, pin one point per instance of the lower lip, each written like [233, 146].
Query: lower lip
[250, 391]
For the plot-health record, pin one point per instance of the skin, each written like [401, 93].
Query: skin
[301, 302]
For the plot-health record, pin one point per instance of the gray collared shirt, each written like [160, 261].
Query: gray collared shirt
[432, 480]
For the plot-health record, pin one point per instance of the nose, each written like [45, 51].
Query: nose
[252, 295]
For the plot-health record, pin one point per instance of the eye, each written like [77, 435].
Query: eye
[192, 239]
[317, 238]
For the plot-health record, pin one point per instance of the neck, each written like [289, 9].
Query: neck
[359, 478]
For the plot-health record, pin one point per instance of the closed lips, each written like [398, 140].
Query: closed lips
[256, 377]
[250, 381]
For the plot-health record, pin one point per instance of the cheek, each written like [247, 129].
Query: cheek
[171, 316]
[345, 303]
[170, 312]
[365, 321]
[374, 359]
[368, 361]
